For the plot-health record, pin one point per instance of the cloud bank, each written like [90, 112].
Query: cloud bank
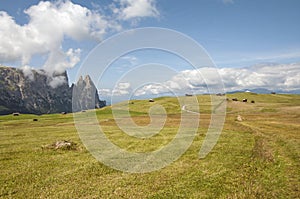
[284, 77]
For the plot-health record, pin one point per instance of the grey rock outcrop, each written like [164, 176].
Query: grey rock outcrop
[85, 95]
[41, 93]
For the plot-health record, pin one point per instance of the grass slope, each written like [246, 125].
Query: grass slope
[258, 157]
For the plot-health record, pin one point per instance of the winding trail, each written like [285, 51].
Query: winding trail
[184, 109]
[215, 128]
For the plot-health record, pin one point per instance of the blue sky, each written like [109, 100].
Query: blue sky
[235, 33]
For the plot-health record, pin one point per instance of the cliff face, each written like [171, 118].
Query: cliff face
[39, 93]
[85, 95]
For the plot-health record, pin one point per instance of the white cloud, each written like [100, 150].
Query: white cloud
[51, 22]
[65, 18]
[27, 71]
[152, 89]
[284, 77]
[121, 89]
[104, 92]
[135, 9]
[57, 81]
[59, 61]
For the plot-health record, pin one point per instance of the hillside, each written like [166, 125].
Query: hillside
[257, 157]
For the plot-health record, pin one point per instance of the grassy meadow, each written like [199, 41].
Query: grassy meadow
[258, 157]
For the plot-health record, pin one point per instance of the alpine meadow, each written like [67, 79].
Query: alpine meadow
[255, 157]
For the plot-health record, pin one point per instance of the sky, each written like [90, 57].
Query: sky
[252, 44]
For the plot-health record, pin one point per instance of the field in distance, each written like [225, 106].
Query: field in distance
[257, 154]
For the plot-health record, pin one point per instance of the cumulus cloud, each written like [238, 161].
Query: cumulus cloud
[51, 22]
[273, 77]
[135, 9]
[121, 89]
[284, 77]
[154, 89]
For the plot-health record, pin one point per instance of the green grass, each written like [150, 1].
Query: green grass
[256, 158]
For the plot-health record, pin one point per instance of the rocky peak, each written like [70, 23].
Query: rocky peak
[88, 79]
[41, 93]
[80, 80]
[85, 95]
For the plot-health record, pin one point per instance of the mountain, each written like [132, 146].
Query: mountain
[256, 90]
[37, 92]
[85, 95]
[267, 91]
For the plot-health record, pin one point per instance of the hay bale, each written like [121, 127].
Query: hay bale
[16, 114]
[35, 119]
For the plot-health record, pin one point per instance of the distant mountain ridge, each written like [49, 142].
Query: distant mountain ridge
[40, 93]
[267, 91]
